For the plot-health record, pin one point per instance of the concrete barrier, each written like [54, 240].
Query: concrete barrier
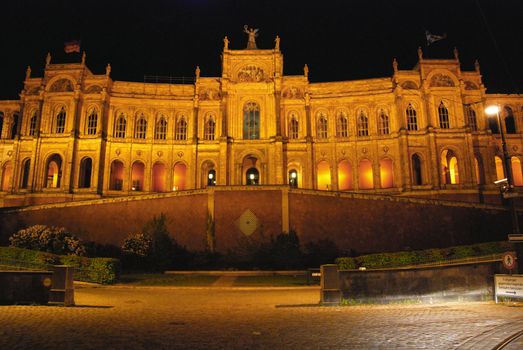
[25, 287]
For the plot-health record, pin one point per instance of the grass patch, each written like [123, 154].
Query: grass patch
[160, 279]
[270, 281]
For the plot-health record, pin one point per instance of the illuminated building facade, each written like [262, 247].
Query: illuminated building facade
[422, 132]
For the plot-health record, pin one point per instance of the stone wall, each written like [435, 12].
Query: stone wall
[365, 223]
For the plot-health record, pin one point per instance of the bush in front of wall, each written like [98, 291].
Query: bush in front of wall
[51, 239]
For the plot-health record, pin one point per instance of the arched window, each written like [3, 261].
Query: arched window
[412, 118]
[120, 127]
[470, 114]
[32, 124]
[383, 123]
[365, 174]
[293, 127]
[53, 171]
[181, 129]
[210, 126]
[510, 124]
[211, 177]
[386, 173]
[517, 171]
[252, 176]
[443, 114]
[92, 122]
[137, 176]
[251, 121]
[160, 132]
[7, 173]
[14, 126]
[1, 123]
[344, 176]
[86, 169]
[159, 177]
[322, 127]
[342, 124]
[26, 167]
[449, 167]
[363, 125]
[141, 128]
[323, 174]
[417, 178]
[116, 177]
[500, 169]
[60, 121]
[493, 124]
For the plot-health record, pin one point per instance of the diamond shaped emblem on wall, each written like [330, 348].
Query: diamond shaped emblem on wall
[247, 222]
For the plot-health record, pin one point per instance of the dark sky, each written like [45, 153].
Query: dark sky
[339, 40]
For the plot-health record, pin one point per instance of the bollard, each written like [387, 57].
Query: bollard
[330, 285]
[62, 289]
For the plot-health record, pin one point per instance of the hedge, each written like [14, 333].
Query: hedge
[97, 270]
[416, 257]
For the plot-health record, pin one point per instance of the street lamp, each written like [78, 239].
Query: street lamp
[510, 194]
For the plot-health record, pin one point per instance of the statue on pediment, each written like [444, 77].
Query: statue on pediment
[253, 33]
[251, 74]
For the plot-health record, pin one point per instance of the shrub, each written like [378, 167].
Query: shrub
[56, 240]
[98, 270]
[137, 244]
[323, 251]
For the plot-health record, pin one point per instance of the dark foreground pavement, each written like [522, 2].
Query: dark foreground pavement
[226, 318]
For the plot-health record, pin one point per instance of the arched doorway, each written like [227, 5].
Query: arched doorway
[449, 167]
[179, 176]
[323, 176]
[252, 176]
[366, 175]
[116, 177]
[7, 173]
[344, 176]
[208, 174]
[516, 171]
[26, 167]
[53, 171]
[386, 173]
[417, 177]
[137, 176]
[211, 177]
[86, 166]
[159, 177]
[293, 178]
[500, 170]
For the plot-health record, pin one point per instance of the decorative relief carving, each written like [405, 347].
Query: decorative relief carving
[515, 148]
[62, 85]
[180, 154]
[159, 153]
[33, 91]
[93, 89]
[251, 74]
[138, 153]
[471, 86]
[364, 150]
[385, 149]
[209, 94]
[409, 85]
[441, 80]
[247, 222]
[117, 151]
[292, 92]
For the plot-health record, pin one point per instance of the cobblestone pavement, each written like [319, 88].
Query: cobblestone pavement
[229, 318]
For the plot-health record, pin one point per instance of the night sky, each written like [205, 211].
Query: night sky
[339, 40]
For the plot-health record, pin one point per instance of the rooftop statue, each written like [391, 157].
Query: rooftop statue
[253, 33]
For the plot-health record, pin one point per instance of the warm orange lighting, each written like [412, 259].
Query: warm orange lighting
[500, 171]
[366, 175]
[137, 176]
[492, 110]
[324, 175]
[386, 173]
[344, 176]
[52, 175]
[516, 171]
[159, 177]
[180, 171]
[6, 176]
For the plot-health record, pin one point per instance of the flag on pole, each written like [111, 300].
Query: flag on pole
[431, 38]
[72, 46]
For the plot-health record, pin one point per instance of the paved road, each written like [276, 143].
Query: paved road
[227, 318]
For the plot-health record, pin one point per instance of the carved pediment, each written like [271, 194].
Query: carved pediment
[33, 91]
[441, 80]
[471, 86]
[292, 92]
[409, 85]
[62, 85]
[251, 74]
[209, 94]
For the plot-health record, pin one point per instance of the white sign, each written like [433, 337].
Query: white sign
[508, 286]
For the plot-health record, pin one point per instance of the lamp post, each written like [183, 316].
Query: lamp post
[510, 194]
